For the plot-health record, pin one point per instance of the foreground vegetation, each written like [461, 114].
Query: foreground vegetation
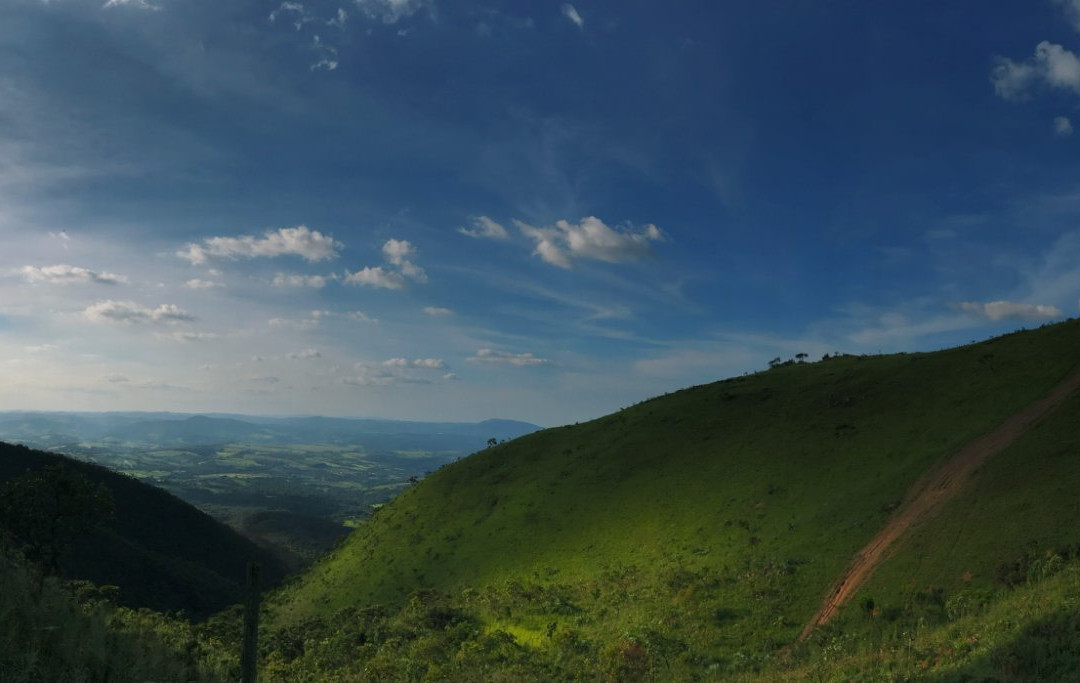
[51, 630]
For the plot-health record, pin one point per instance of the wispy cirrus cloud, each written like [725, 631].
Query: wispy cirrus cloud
[197, 283]
[437, 311]
[129, 312]
[310, 245]
[140, 4]
[590, 238]
[189, 336]
[573, 16]
[310, 281]
[70, 275]
[494, 356]
[485, 228]
[391, 11]
[1009, 310]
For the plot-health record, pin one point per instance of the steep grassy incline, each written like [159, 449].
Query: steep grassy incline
[1020, 508]
[714, 518]
[163, 553]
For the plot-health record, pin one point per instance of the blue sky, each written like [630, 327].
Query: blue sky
[535, 210]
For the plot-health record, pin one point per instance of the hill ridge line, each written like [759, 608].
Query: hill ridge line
[931, 491]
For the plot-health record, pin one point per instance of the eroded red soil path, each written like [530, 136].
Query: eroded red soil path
[931, 492]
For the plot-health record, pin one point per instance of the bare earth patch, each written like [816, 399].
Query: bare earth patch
[939, 485]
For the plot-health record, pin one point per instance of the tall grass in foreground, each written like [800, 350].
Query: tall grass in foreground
[48, 634]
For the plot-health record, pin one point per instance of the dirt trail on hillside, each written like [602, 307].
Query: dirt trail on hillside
[941, 483]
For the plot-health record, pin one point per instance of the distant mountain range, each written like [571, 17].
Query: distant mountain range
[53, 429]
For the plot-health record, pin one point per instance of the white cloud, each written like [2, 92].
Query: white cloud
[302, 325]
[361, 317]
[506, 358]
[305, 354]
[590, 239]
[338, 20]
[484, 227]
[69, 275]
[436, 311]
[1051, 64]
[41, 348]
[132, 313]
[141, 4]
[390, 11]
[312, 281]
[430, 363]
[1063, 126]
[572, 14]
[327, 55]
[202, 284]
[396, 253]
[189, 336]
[300, 16]
[395, 371]
[311, 245]
[1008, 310]
[376, 277]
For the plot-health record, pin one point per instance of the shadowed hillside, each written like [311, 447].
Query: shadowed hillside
[161, 552]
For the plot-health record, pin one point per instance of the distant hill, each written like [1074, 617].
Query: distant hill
[695, 534]
[50, 430]
[161, 552]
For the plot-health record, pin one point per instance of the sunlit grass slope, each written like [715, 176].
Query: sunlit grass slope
[708, 522]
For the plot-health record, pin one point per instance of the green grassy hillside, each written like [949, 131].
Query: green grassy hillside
[697, 532]
[161, 552]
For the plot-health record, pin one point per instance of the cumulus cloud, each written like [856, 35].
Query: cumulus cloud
[485, 228]
[312, 281]
[1008, 310]
[376, 276]
[397, 253]
[591, 238]
[506, 358]
[570, 13]
[202, 284]
[390, 11]
[1062, 126]
[437, 311]
[129, 312]
[1052, 65]
[70, 275]
[310, 245]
